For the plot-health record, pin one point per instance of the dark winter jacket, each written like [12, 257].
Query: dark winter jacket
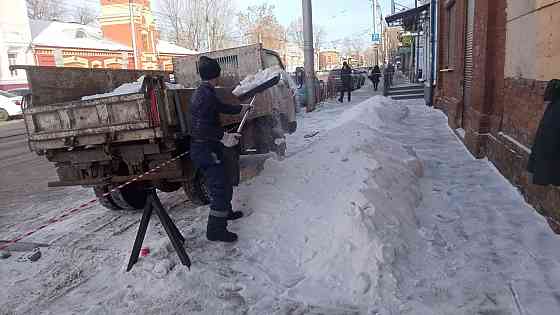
[375, 74]
[544, 161]
[205, 112]
[346, 76]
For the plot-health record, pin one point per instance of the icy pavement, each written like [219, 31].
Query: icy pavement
[380, 210]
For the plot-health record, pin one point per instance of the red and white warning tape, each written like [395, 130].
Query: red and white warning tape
[71, 211]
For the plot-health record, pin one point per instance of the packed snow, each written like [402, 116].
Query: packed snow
[382, 211]
[129, 88]
[253, 81]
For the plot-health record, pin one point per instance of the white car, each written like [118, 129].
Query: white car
[10, 105]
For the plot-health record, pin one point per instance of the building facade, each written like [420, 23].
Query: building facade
[126, 39]
[495, 60]
[329, 59]
[15, 37]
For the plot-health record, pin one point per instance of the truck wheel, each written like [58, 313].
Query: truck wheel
[4, 115]
[105, 201]
[130, 197]
[197, 190]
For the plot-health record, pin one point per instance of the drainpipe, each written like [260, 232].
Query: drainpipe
[433, 33]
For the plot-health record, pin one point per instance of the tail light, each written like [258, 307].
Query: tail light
[18, 102]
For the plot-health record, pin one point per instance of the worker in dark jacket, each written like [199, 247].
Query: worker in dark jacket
[208, 139]
[346, 77]
[544, 161]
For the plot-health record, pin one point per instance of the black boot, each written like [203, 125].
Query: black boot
[234, 215]
[217, 230]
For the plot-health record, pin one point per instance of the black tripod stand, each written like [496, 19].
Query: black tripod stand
[177, 240]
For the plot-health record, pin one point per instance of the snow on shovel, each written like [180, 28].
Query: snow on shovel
[252, 85]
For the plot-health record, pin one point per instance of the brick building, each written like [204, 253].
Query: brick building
[329, 59]
[127, 39]
[495, 59]
[110, 45]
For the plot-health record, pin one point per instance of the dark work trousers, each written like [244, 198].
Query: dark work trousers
[208, 156]
[345, 89]
[375, 85]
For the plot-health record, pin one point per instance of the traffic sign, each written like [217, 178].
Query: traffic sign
[376, 38]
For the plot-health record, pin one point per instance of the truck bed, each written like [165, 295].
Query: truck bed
[78, 123]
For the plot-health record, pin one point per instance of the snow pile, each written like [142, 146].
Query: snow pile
[129, 88]
[336, 216]
[253, 81]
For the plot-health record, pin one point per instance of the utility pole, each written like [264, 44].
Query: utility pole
[133, 31]
[309, 53]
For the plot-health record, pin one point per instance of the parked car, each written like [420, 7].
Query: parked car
[8, 107]
[12, 96]
[20, 92]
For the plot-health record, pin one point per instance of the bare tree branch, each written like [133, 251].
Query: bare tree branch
[44, 10]
[85, 15]
[199, 24]
[295, 34]
[259, 25]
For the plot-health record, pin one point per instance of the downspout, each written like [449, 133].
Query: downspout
[433, 33]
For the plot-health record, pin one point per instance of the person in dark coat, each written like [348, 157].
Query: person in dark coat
[374, 77]
[544, 161]
[346, 77]
[208, 140]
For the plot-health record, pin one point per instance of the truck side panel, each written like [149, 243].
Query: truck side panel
[51, 85]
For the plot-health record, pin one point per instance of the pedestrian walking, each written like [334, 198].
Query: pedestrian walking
[374, 76]
[208, 140]
[346, 78]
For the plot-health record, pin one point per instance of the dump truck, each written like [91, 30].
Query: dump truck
[96, 138]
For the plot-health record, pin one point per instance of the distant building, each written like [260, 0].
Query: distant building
[292, 56]
[15, 37]
[111, 45]
[51, 43]
[329, 59]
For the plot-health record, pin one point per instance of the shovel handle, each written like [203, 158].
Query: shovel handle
[245, 116]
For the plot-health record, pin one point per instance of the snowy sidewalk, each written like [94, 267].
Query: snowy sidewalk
[382, 211]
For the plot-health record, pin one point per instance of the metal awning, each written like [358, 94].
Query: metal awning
[409, 18]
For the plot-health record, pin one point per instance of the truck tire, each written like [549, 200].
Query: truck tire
[197, 190]
[4, 115]
[105, 201]
[130, 197]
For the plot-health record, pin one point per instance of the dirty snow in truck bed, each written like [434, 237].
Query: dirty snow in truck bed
[129, 88]
[380, 211]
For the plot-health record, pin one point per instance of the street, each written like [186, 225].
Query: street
[23, 184]
[377, 209]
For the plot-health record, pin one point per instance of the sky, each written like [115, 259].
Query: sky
[339, 19]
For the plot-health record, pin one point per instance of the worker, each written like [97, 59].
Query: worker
[208, 140]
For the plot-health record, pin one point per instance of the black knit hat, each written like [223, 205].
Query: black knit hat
[208, 68]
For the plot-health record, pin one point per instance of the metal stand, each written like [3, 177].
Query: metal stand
[176, 238]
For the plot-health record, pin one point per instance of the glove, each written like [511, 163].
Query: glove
[230, 140]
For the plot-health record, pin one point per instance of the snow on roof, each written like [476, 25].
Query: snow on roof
[71, 35]
[165, 47]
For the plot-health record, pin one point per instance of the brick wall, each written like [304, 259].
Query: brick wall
[500, 115]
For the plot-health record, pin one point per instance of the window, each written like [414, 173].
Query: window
[145, 45]
[451, 21]
[12, 60]
[270, 60]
